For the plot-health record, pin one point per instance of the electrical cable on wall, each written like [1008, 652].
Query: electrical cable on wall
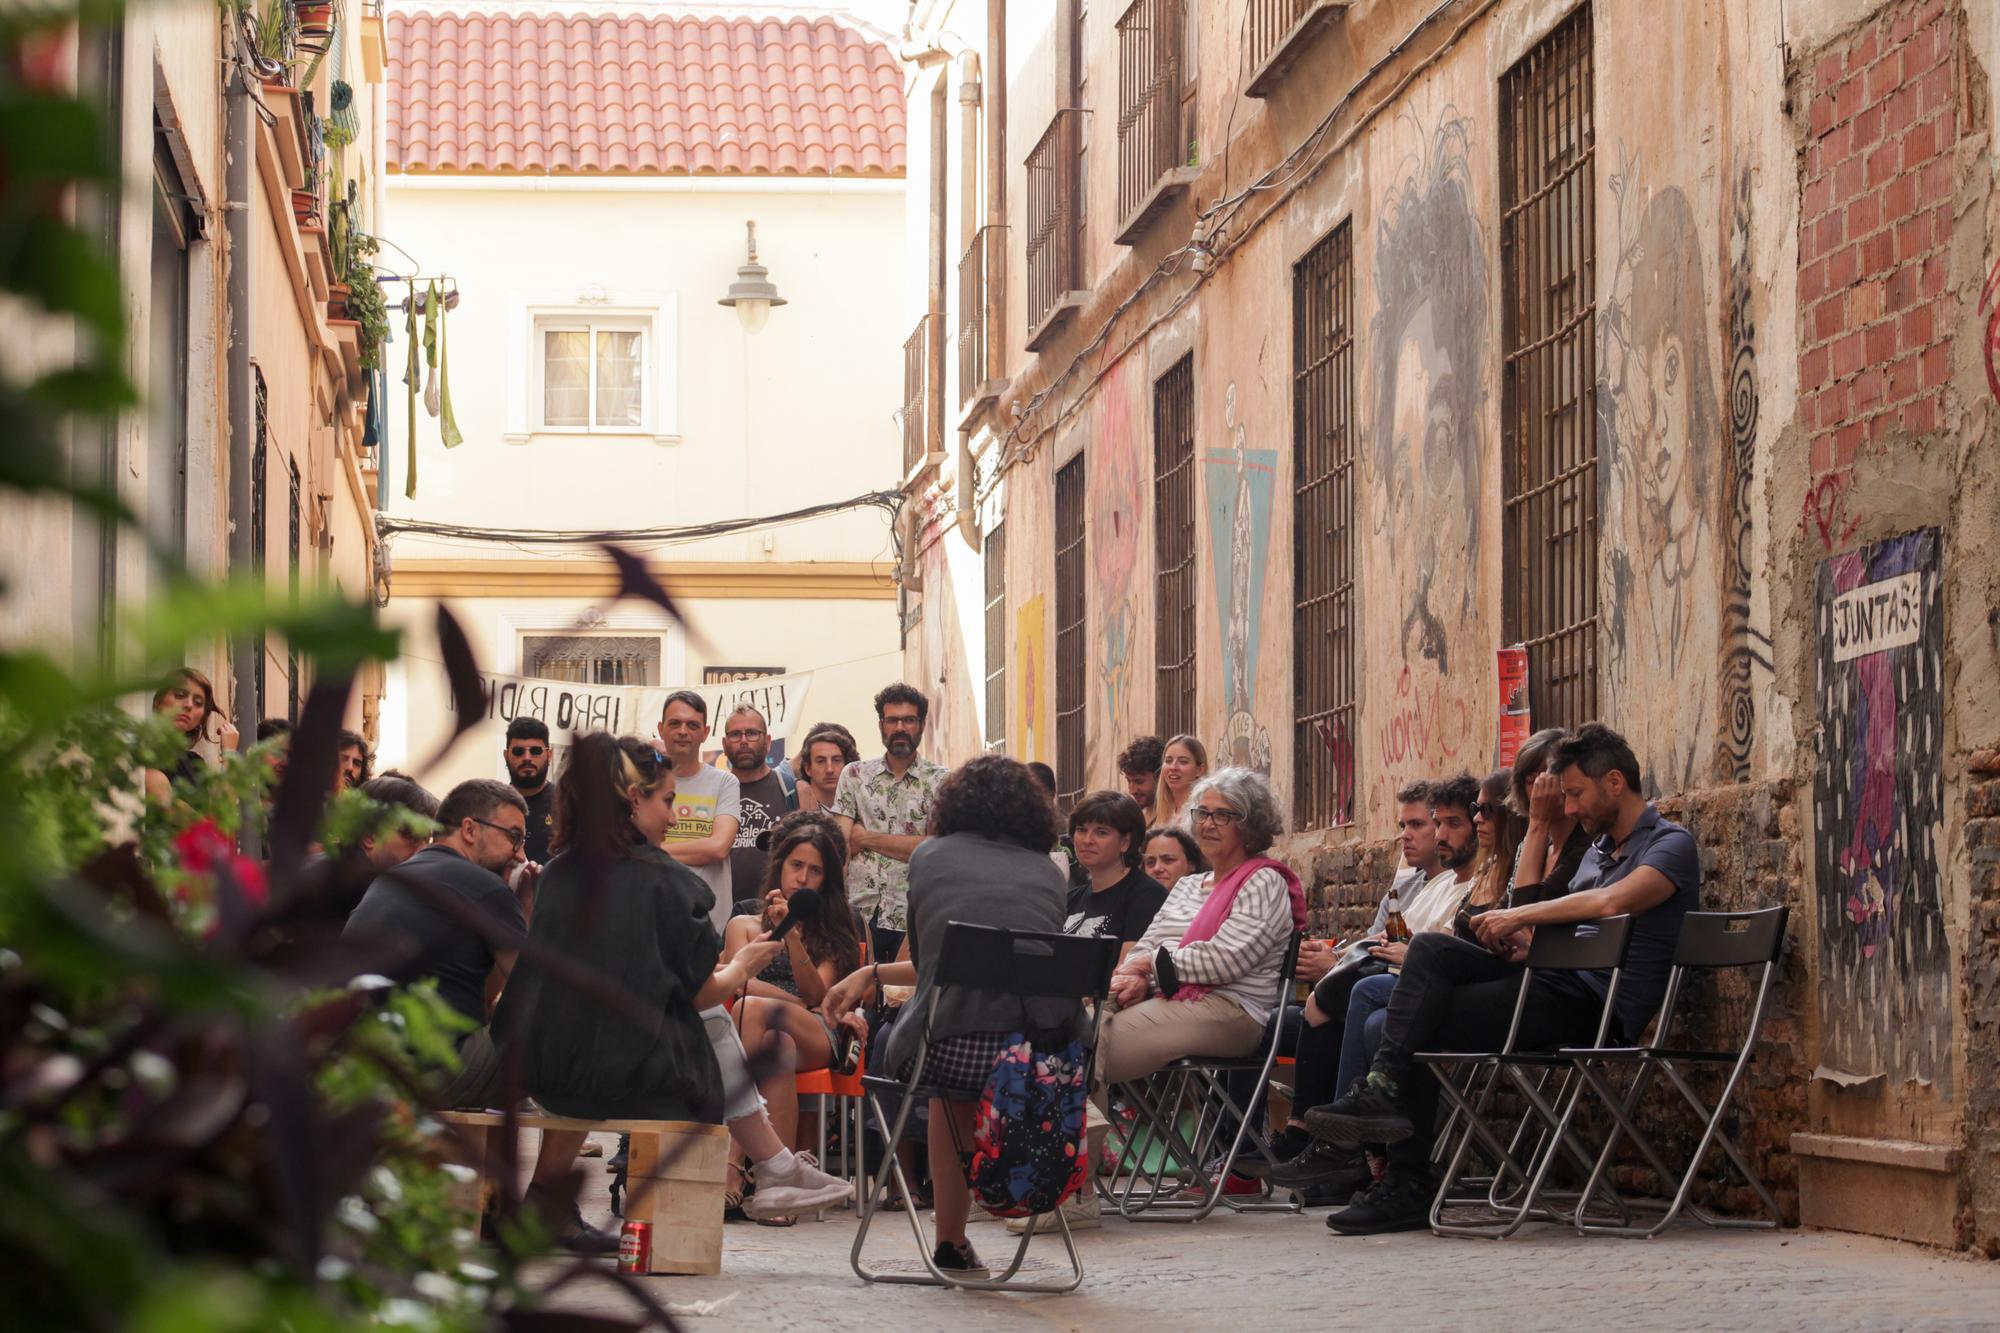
[389, 524]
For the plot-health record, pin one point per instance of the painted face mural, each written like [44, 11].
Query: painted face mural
[1427, 345]
[1239, 524]
[1660, 435]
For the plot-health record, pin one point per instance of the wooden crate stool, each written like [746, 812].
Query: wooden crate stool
[675, 1171]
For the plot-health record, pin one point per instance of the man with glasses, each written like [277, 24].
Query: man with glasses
[884, 806]
[529, 757]
[746, 744]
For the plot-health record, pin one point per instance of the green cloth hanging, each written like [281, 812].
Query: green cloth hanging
[447, 425]
[412, 376]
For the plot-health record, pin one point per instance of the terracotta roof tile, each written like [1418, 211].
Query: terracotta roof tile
[570, 94]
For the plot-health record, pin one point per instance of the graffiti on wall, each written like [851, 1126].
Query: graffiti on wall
[1427, 386]
[1116, 503]
[1746, 650]
[1031, 677]
[1878, 807]
[1660, 433]
[1989, 306]
[1239, 529]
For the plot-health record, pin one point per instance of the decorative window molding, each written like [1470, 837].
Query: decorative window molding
[655, 314]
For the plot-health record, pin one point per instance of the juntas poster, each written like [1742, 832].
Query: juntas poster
[1885, 993]
[1516, 724]
[569, 706]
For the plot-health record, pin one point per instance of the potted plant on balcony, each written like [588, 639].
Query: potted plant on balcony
[314, 18]
[366, 305]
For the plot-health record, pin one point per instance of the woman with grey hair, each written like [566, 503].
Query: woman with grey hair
[1202, 979]
[1554, 844]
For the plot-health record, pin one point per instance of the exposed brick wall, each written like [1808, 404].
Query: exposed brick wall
[1875, 218]
[1982, 983]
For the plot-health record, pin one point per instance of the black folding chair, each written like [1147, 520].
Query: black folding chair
[1028, 965]
[1200, 1084]
[1513, 1193]
[1710, 942]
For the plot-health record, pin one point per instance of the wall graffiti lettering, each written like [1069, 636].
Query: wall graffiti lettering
[1885, 996]
[1989, 306]
[1660, 431]
[1031, 682]
[1239, 526]
[1116, 503]
[1746, 650]
[1427, 389]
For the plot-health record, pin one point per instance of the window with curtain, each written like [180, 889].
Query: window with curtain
[592, 659]
[593, 377]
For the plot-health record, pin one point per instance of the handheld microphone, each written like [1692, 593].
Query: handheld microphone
[802, 906]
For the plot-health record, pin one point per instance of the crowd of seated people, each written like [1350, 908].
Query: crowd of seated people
[1181, 868]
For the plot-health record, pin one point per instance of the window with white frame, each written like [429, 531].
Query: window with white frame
[592, 658]
[594, 363]
[593, 375]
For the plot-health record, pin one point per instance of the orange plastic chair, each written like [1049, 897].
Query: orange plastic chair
[845, 1092]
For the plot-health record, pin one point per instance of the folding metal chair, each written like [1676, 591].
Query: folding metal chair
[1514, 1191]
[1161, 1100]
[1026, 964]
[1709, 942]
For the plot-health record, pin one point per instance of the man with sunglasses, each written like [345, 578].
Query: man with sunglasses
[529, 757]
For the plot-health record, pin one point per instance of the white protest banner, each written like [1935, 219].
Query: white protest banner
[635, 710]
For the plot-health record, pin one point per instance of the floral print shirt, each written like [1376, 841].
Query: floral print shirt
[879, 801]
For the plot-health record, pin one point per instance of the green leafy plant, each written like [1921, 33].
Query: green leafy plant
[366, 303]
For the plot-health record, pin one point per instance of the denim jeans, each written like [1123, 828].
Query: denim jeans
[1367, 1014]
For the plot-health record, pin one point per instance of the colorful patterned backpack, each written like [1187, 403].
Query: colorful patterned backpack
[1028, 1151]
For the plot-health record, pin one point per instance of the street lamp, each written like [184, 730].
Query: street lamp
[753, 293]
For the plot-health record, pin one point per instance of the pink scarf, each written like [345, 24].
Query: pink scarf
[1223, 899]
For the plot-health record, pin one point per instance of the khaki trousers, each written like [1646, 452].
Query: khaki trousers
[1134, 1042]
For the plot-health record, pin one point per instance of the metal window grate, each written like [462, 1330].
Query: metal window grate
[978, 292]
[918, 436]
[1324, 629]
[260, 529]
[1071, 779]
[1055, 216]
[1271, 23]
[1174, 549]
[1548, 246]
[996, 639]
[1150, 142]
[295, 513]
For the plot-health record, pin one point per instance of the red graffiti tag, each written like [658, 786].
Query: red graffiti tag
[1424, 726]
[1826, 509]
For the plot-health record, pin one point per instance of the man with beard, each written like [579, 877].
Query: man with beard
[529, 757]
[884, 806]
[356, 763]
[708, 804]
[746, 744]
[1456, 995]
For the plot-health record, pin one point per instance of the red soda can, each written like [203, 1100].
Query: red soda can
[635, 1248]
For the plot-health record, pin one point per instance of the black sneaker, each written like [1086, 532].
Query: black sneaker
[1323, 1168]
[1369, 1113]
[1393, 1203]
[1286, 1148]
[959, 1261]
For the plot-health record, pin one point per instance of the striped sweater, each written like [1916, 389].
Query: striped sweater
[1243, 960]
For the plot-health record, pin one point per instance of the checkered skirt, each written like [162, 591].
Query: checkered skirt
[957, 1067]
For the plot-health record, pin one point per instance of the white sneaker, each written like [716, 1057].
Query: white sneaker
[804, 1189]
[1081, 1210]
[979, 1214]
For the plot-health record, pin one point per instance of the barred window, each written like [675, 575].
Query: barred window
[1174, 549]
[1071, 778]
[1323, 621]
[1548, 245]
[996, 639]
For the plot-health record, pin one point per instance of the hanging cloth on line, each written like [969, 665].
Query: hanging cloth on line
[437, 394]
[412, 376]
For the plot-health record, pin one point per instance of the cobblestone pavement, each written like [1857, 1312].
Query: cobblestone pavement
[1282, 1273]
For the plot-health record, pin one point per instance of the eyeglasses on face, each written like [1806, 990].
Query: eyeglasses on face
[1203, 814]
[744, 734]
[1485, 809]
[527, 751]
[517, 836]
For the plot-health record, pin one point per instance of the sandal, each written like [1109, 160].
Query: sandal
[733, 1190]
[781, 1220]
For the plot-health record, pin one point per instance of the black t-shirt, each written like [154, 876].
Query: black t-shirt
[764, 804]
[1123, 911]
[427, 942]
[541, 823]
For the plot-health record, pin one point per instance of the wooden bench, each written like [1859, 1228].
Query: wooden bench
[674, 1172]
